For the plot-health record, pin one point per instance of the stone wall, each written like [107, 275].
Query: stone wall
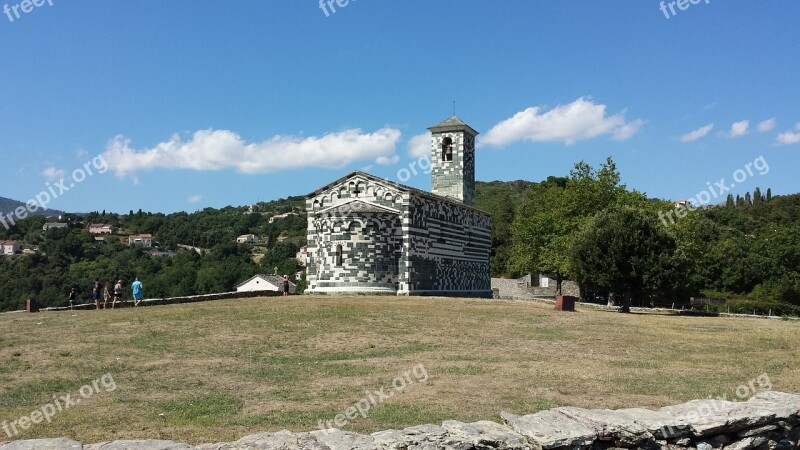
[768, 421]
[178, 300]
[520, 289]
[362, 216]
[454, 178]
[448, 248]
[395, 240]
[369, 245]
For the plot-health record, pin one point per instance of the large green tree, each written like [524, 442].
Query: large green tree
[546, 225]
[625, 250]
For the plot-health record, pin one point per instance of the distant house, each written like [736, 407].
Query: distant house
[144, 240]
[100, 228]
[9, 247]
[682, 204]
[247, 239]
[265, 283]
[281, 216]
[51, 225]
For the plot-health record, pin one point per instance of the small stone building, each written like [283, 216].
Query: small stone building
[263, 282]
[368, 235]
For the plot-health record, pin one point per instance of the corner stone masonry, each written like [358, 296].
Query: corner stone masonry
[767, 421]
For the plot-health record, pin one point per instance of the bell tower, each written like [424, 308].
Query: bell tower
[453, 160]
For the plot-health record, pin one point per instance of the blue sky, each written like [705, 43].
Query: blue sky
[209, 103]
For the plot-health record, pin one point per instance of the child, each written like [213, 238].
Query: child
[106, 294]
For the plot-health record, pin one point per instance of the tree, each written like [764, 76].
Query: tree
[757, 198]
[729, 202]
[769, 194]
[501, 234]
[546, 225]
[624, 250]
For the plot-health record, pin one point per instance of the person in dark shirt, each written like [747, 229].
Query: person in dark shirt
[285, 285]
[96, 293]
[73, 297]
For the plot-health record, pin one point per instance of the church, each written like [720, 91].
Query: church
[368, 235]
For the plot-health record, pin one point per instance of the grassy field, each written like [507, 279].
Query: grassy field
[211, 372]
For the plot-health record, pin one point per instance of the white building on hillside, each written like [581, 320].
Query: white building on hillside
[9, 247]
[145, 240]
[247, 239]
[265, 283]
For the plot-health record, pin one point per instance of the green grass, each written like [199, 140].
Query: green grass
[217, 371]
[206, 410]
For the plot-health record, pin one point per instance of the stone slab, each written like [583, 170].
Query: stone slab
[42, 444]
[609, 425]
[484, 435]
[550, 429]
[661, 425]
[147, 444]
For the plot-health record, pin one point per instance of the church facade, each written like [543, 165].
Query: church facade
[368, 235]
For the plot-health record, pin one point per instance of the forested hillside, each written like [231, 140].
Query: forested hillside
[59, 259]
[7, 207]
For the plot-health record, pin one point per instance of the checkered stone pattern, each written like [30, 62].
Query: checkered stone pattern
[448, 247]
[454, 178]
[395, 239]
[348, 216]
[370, 246]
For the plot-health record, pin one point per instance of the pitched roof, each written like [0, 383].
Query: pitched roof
[398, 186]
[453, 124]
[356, 205]
[275, 280]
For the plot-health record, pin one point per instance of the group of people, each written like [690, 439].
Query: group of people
[107, 294]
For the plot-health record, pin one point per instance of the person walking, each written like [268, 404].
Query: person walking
[117, 294]
[96, 293]
[285, 285]
[73, 296]
[106, 294]
[136, 287]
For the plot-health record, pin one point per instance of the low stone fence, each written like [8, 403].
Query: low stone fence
[767, 421]
[176, 300]
[519, 289]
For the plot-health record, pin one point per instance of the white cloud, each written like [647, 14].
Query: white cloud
[766, 125]
[53, 173]
[738, 129]
[222, 149]
[387, 160]
[789, 138]
[626, 131]
[697, 134]
[420, 145]
[581, 119]
[194, 199]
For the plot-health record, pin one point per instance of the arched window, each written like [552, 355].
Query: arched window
[447, 149]
[339, 255]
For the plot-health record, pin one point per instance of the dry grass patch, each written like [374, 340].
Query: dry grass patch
[220, 370]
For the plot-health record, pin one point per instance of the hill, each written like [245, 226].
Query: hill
[7, 206]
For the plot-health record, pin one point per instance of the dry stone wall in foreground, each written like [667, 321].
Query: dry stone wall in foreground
[767, 421]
